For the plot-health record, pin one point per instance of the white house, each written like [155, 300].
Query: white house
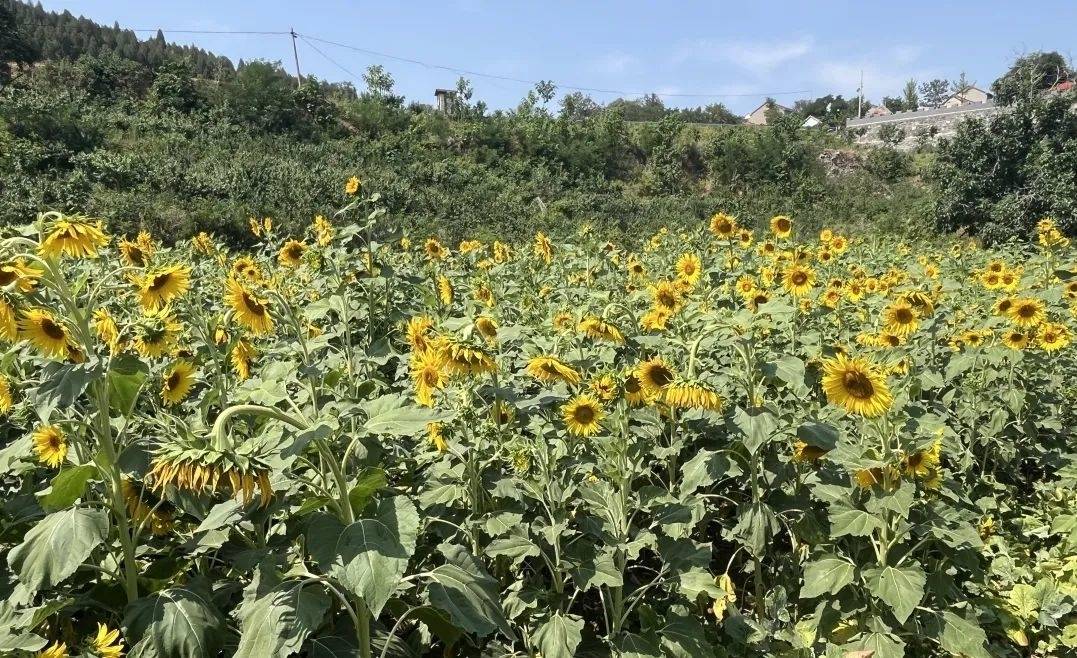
[811, 122]
[758, 116]
[970, 95]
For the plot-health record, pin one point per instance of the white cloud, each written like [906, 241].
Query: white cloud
[881, 78]
[756, 56]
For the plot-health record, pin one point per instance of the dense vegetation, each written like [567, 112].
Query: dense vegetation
[731, 443]
[156, 145]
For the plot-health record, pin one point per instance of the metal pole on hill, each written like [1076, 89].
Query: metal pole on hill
[860, 96]
[295, 51]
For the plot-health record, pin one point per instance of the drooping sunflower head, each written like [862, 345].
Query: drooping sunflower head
[920, 301]
[6, 399]
[291, 254]
[45, 332]
[781, 226]
[691, 395]
[604, 387]
[242, 356]
[108, 332]
[487, 327]
[857, 385]
[191, 463]
[543, 248]
[465, 359]
[597, 328]
[445, 290]
[17, 275]
[654, 375]
[50, 445]
[250, 311]
[923, 463]
[74, 236]
[549, 368]
[798, 279]
[136, 253]
[178, 382]
[901, 318]
[352, 187]
[158, 288]
[583, 415]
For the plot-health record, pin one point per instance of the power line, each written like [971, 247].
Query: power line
[307, 38]
[534, 82]
[328, 58]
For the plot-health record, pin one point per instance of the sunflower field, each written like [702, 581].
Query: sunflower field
[724, 441]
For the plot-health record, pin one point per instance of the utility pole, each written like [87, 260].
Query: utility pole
[295, 51]
[859, 96]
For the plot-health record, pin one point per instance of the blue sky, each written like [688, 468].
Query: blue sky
[739, 52]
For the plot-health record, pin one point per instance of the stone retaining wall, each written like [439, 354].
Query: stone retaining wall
[921, 126]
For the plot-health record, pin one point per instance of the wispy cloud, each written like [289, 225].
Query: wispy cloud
[612, 63]
[759, 57]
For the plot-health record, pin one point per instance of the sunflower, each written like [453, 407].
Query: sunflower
[251, 312]
[826, 235]
[857, 385]
[1002, 306]
[418, 330]
[76, 237]
[54, 650]
[689, 268]
[9, 326]
[445, 290]
[485, 295]
[191, 466]
[1015, 340]
[241, 357]
[1028, 312]
[604, 386]
[436, 435]
[291, 254]
[923, 463]
[323, 231]
[583, 415]
[889, 339]
[428, 375]
[434, 249]
[807, 453]
[464, 359]
[146, 509]
[551, 369]
[543, 247]
[599, 329]
[50, 445]
[6, 400]
[690, 395]
[159, 288]
[107, 331]
[781, 226]
[1053, 336]
[136, 253]
[900, 318]
[655, 319]
[758, 298]
[486, 327]
[654, 375]
[723, 226]
[798, 280]
[352, 187]
[156, 334]
[18, 275]
[178, 382]
[203, 243]
[667, 296]
[41, 328]
[245, 267]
